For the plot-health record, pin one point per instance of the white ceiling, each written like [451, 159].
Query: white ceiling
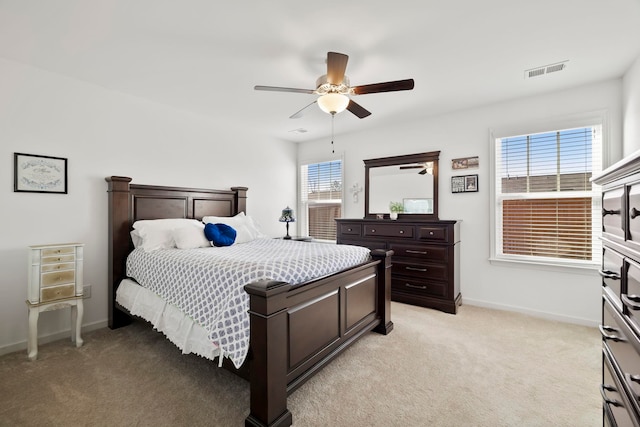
[205, 56]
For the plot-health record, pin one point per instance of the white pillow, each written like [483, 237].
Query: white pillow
[190, 236]
[245, 227]
[158, 233]
[136, 239]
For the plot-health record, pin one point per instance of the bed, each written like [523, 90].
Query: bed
[295, 330]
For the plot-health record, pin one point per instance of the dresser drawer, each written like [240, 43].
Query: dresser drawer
[58, 278]
[389, 230]
[633, 218]
[57, 267]
[350, 229]
[612, 219]
[366, 244]
[436, 234]
[58, 258]
[58, 251]
[611, 272]
[57, 292]
[431, 253]
[613, 399]
[623, 345]
[419, 271]
[631, 299]
[419, 287]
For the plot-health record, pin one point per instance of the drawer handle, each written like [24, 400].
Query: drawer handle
[603, 389]
[409, 285]
[607, 274]
[606, 212]
[635, 378]
[603, 331]
[416, 269]
[411, 251]
[401, 231]
[373, 230]
[632, 301]
[634, 213]
[348, 229]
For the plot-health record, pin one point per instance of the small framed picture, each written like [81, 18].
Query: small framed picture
[465, 163]
[471, 183]
[464, 184]
[39, 174]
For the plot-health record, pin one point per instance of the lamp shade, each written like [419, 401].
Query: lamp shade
[333, 103]
[287, 215]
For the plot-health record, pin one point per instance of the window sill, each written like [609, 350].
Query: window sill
[586, 269]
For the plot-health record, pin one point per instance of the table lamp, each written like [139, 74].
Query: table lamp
[287, 217]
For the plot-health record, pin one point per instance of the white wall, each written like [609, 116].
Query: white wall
[571, 297]
[104, 133]
[631, 108]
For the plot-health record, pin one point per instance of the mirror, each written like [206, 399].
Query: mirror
[410, 182]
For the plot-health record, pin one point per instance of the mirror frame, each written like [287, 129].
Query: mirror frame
[431, 156]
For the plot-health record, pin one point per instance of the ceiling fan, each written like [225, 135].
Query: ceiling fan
[335, 90]
[424, 168]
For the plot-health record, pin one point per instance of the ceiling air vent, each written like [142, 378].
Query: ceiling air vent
[547, 69]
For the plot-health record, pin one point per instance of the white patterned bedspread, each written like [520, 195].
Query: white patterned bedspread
[207, 284]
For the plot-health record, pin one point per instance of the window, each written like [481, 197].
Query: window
[321, 198]
[546, 208]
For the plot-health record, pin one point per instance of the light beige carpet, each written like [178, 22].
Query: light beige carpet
[480, 367]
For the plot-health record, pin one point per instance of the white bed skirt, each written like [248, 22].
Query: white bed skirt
[179, 328]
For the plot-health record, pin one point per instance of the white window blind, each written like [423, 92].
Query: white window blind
[547, 209]
[321, 197]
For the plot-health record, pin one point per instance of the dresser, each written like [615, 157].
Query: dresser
[54, 282]
[425, 261]
[620, 327]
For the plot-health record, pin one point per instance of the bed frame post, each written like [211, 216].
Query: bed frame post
[268, 356]
[384, 290]
[241, 198]
[119, 244]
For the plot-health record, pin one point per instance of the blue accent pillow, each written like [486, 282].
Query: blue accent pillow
[220, 234]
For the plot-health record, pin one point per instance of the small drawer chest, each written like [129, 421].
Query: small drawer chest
[54, 282]
[620, 272]
[425, 261]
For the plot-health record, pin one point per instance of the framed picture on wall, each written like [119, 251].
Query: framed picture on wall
[465, 163]
[464, 184]
[39, 174]
[470, 183]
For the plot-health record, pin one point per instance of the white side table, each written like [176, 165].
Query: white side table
[55, 282]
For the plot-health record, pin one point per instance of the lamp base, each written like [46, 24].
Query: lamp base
[287, 237]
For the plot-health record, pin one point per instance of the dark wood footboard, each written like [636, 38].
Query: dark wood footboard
[296, 331]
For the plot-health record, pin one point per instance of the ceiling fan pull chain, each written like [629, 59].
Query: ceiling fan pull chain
[333, 116]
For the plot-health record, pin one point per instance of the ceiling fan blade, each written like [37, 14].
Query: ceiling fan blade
[336, 66]
[358, 109]
[384, 87]
[299, 114]
[283, 89]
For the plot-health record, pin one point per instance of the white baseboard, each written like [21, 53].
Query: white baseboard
[534, 313]
[22, 345]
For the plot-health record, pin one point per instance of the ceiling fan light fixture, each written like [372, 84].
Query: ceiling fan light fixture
[333, 103]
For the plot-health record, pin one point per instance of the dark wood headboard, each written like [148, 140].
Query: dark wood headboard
[132, 202]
